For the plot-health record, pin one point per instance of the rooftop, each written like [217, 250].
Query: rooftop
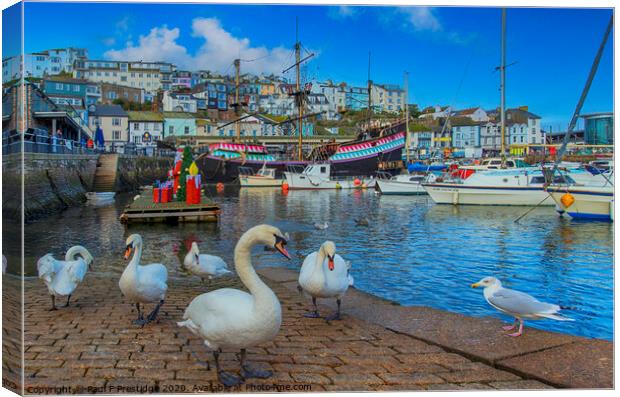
[145, 116]
[108, 110]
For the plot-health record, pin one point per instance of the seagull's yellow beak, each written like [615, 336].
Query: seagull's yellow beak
[475, 285]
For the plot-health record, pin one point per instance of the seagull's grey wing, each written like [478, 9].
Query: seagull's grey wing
[517, 302]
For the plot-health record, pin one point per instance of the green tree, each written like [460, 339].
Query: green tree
[185, 164]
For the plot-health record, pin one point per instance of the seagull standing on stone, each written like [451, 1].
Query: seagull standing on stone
[321, 226]
[517, 304]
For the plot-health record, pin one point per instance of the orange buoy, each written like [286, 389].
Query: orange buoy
[567, 200]
[356, 182]
[219, 186]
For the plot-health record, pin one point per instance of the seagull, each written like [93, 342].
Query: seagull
[362, 222]
[321, 226]
[517, 304]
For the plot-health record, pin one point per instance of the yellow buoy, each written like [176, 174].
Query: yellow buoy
[567, 200]
[338, 185]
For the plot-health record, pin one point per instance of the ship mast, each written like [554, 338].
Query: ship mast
[369, 115]
[237, 105]
[503, 90]
[407, 139]
[299, 93]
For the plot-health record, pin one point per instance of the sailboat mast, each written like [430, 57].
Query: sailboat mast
[237, 71]
[503, 89]
[407, 139]
[300, 107]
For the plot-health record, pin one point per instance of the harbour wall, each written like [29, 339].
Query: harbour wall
[54, 182]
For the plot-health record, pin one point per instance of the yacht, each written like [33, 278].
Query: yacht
[584, 202]
[520, 186]
[265, 177]
[318, 176]
[403, 184]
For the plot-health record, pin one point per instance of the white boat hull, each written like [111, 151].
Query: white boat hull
[397, 187]
[590, 202]
[302, 181]
[444, 193]
[259, 181]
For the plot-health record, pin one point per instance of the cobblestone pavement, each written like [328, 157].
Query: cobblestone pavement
[93, 344]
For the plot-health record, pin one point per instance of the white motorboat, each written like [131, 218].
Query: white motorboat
[584, 202]
[265, 177]
[404, 184]
[519, 186]
[317, 176]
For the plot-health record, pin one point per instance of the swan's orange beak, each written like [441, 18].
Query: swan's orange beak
[279, 245]
[330, 262]
[127, 252]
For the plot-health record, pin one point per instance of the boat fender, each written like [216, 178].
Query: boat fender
[338, 185]
[285, 186]
[567, 200]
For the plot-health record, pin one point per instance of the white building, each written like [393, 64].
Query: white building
[387, 98]
[476, 114]
[145, 129]
[42, 63]
[150, 76]
[436, 112]
[173, 102]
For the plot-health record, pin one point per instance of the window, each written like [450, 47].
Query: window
[59, 86]
[123, 78]
[186, 130]
[111, 94]
[221, 133]
[171, 130]
[136, 139]
[156, 127]
[76, 88]
[136, 126]
[116, 121]
[116, 135]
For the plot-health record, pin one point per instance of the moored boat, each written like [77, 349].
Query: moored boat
[265, 177]
[319, 176]
[403, 184]
[584, 202]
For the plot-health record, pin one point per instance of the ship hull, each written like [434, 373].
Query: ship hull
[216, 169]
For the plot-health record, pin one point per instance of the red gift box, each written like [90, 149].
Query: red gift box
[156, 195]
[192, 192]
[166, 194]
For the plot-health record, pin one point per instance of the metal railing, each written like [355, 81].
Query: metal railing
[42, 143]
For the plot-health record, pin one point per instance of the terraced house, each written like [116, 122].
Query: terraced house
[114, 122]
[145, 129]
[150, 76]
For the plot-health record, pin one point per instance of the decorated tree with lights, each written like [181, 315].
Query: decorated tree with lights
[185, 164]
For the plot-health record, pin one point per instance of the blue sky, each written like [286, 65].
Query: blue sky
[450, 53]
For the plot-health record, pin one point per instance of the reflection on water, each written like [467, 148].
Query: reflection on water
[413, 251]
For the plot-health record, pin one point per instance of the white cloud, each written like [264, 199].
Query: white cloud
[423, 18]
[343, 12]
[217, 52]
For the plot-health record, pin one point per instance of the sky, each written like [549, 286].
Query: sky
[450, 53]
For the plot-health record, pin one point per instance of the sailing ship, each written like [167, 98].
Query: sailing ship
[376, 147]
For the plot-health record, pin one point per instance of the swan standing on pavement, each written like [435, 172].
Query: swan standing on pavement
[324, 274]
[63, 277]
[143, 283]
[203, 265]
[517, 304]
[231, 319]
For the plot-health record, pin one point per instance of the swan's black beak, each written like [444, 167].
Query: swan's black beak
[127, 251]
[330, 262]
[279, 245]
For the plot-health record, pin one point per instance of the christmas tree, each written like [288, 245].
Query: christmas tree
[185, 164]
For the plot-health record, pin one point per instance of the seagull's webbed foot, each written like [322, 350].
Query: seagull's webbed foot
[247, 372]
[228, 379]
[520, 331]
[514, 335]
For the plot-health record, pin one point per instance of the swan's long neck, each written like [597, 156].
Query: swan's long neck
[243, 264]
[78, 249]
[319, 271]
[137, 255]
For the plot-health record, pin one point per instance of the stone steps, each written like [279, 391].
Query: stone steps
[106, 173]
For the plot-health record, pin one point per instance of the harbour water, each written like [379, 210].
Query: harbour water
[413, 251]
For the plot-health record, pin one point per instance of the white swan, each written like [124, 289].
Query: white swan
[63, 277]
[324, 274]
[143, 284]
[231, 319]
[203, 265]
